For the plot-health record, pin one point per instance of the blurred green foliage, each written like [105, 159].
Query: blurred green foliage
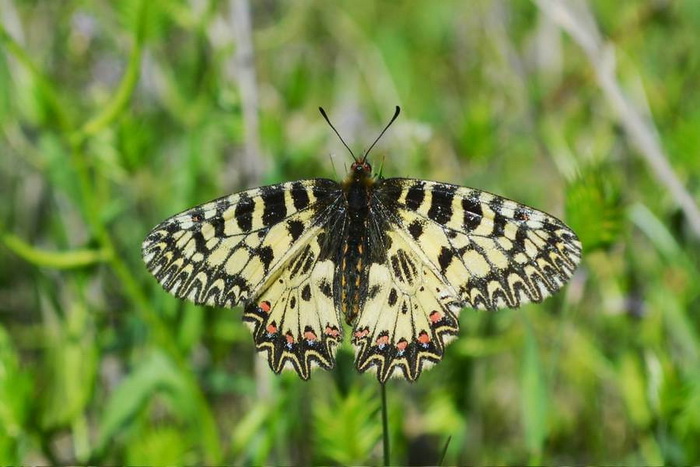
[115, 115]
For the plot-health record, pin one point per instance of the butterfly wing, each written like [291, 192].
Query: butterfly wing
[451, 247]
[409, 316]
[260, 247]
[294, 318]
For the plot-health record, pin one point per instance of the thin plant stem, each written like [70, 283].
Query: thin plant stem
[444, 451]
[385, 425]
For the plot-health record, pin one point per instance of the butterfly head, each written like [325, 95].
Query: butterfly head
[360, 170]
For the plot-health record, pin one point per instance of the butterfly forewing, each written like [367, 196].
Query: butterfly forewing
[223, 252]
[491, 252]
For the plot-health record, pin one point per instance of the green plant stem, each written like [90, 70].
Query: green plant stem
[52, 259]
[385, 425]
[444, 451]
[43, 85]
[120, 99]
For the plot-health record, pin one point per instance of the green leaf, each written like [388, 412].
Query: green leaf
[155, 374]
[594, 208]
[160, 446]
[633, 386]
[15, 392]
[348, 428]
[70, 365]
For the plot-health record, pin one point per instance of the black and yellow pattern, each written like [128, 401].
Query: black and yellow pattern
[396, 258]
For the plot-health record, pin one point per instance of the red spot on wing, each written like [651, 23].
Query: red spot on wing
[435, 316]
[332, 331]
[401, 345]
[265, 306]
[361, 333]
[382, 340]
[289, 337]
[423, 338]
[271, 328]
[310, 335]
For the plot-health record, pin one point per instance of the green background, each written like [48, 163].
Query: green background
[116, 115]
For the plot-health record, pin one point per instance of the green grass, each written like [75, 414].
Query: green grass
[116, 115]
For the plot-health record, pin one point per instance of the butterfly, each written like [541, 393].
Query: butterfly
[396, 259]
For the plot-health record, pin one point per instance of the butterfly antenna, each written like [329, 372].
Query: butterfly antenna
[396, 114]
[323, 112]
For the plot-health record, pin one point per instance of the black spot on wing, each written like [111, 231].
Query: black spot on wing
[219, 225]
[499, 220]
[499, 224]
[325, 288]
[306, 293]
[407, 266]
[472, 213]
[266, 256]
[244, 212]
[395, 266]
[295, 228]
[303, 262]
[415, 196]
[445, 258]
[404, 269]
[521, 214]
[520, 237]
[415, 228]
[393, 296]
[496, 204]
[441, 205]
[275, 208]
[300, 196]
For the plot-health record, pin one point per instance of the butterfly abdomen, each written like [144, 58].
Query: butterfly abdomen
[354, 247]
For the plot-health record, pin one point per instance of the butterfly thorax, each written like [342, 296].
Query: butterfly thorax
[357, 190]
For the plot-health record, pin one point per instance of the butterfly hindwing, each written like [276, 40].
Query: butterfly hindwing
[408, 317]
[294, 319]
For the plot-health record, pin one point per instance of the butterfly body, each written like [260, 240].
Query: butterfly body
[355, 244]
[396, 259]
